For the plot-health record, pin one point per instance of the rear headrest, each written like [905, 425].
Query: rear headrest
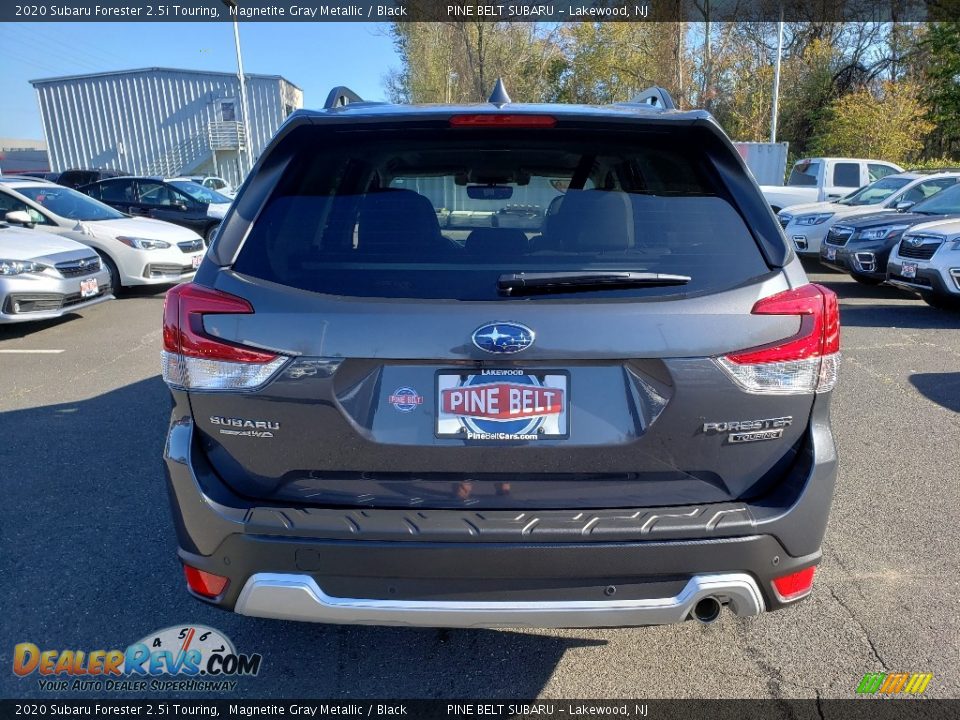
[595, 221]
[397, 221]
[497, 241]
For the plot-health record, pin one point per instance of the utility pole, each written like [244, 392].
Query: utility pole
[245, 141]
[776, 80]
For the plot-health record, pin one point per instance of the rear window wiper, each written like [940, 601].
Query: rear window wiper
[560, 282]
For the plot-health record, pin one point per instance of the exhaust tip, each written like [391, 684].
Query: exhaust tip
[707, 610]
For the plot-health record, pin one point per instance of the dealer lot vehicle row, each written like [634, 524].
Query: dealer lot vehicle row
[886, 597]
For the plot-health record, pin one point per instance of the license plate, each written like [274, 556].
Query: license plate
[89, 287]
[195, 261]
[908, 270]
[509, 404]
[831, 253]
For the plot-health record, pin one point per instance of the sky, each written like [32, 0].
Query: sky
[314, 56]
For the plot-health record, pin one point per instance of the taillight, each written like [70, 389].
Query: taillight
[505, 120]
[193, 360]
[807, 362]
[204, 583]
[794, 586]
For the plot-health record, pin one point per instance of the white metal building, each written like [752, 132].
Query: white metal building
[161, 121]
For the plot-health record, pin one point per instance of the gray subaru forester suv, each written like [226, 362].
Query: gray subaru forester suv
[398, 399]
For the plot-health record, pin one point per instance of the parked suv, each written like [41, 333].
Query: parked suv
[620, 417]
[862, 245]
[926, 261]
[808, 225]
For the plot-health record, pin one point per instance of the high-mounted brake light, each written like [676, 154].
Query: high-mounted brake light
[794, 586]
[506, 120]
[204, 583]
[807, 362]
[194, 360]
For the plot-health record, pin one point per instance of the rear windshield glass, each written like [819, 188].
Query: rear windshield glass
[804, 174]
[445, 214]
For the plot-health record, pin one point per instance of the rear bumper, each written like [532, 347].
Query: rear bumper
[298, 597]
[460, 568]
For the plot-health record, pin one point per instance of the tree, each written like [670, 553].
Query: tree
[890, 124]
[939, 55]
[459, 62]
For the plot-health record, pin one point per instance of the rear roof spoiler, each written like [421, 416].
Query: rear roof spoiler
[655, 96]
[341, 96]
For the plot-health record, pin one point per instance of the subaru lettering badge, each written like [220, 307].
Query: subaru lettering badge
[503, 337]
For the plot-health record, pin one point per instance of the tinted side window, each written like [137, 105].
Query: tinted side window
[158, 193]
[8, 203]
[846, 174]
[117, 191]
[926, 189]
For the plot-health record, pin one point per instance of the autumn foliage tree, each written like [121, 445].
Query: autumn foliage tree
[890, 123]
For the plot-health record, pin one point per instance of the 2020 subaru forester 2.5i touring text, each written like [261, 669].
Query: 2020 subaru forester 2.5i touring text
[396, 401]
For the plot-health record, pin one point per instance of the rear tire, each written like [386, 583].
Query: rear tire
[116, 286]
[942, 302]
[208, 236]
[869, 281]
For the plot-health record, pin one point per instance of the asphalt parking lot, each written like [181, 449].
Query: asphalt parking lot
[89, 559]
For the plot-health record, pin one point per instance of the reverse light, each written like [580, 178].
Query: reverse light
[807, 362]
[204, 583]
[143, 243]
[794, 586]
[193, 360]
[487, 120]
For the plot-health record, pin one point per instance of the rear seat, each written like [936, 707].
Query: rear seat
[497, 241]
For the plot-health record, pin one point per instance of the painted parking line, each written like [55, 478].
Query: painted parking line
[31, 352]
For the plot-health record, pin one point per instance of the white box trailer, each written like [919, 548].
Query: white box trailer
[767, 161]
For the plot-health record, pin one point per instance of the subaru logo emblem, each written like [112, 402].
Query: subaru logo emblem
[503, 337]
[915, 241]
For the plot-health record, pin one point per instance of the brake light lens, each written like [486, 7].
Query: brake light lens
[506, 120]
[807, 362]
[794, 586]
[204, 583]
[193, 360]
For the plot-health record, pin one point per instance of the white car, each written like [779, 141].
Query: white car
[926, 261]
[136, 251]
[44, 276]
[807, 226]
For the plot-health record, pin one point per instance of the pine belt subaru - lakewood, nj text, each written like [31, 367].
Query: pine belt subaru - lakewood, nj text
[619, 416]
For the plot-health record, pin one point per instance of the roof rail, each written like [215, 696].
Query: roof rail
[656, 96]
[341, 96]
